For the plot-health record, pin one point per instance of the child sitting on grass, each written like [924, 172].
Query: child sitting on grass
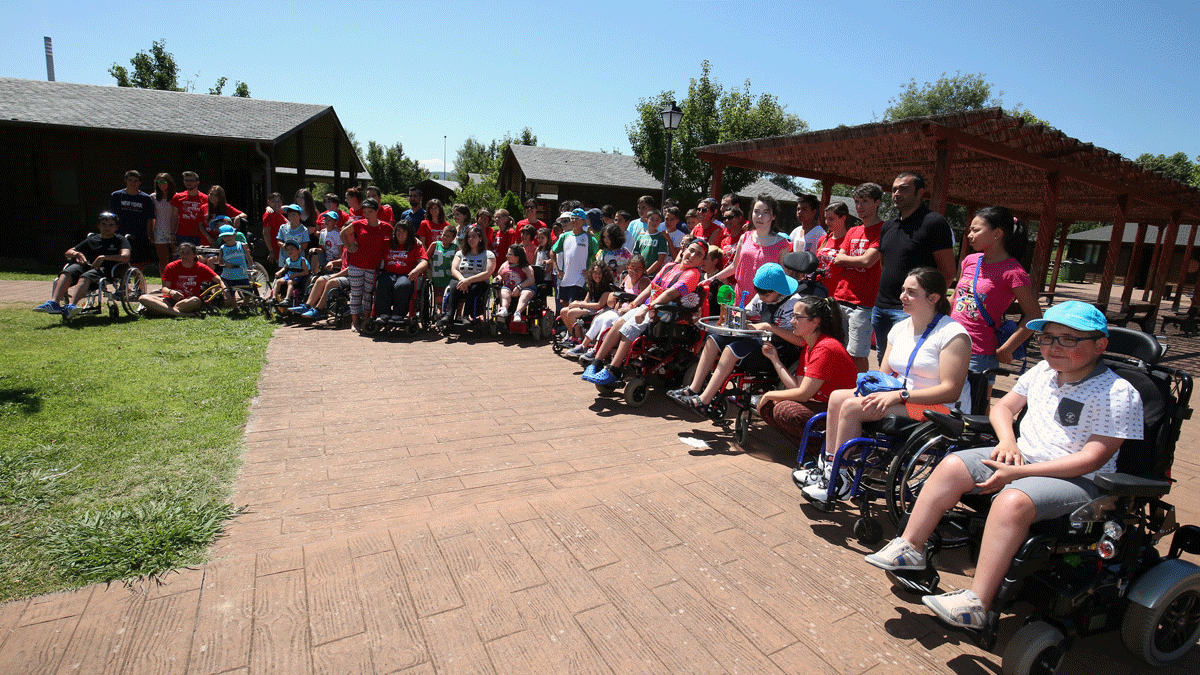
[1079, 413]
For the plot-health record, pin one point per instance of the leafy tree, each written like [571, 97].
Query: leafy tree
[154, 70]
[710, 115]
[391, 170]
[947, 95]
[157, 69]
[1177, 166]
[479, 195]
[475, 157]
[512, 204]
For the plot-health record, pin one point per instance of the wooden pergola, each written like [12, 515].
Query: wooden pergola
[986, 157]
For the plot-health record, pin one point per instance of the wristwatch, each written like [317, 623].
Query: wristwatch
[904, 395]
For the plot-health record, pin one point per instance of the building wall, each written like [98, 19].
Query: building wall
[63, 179]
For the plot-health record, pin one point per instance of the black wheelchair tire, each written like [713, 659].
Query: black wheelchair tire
[1163, 635]
[1035, 649]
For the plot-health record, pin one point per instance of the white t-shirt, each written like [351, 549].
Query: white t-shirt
[926, 371]
[331, 241]
[573, 261]
[807, 241]
[676, 236]
[1060, 419]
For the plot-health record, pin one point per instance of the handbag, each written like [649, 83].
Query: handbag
[1005, 330]
[874, 381]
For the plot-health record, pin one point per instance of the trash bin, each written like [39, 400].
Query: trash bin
[1075, 271]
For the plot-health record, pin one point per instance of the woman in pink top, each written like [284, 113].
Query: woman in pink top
[761, 245]
[999, 240]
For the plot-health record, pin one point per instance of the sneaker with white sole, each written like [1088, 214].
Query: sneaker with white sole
[502, 313]
[819, 491]
[49, 307]
[960, 608]
[898, 555]
[576, 351]
[589, 355]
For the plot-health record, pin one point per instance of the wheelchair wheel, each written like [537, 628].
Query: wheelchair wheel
[636, 393]
[868, 531]
[606, 389]
[741, 428]
[1163, 635]
[1036, 649]
[260, 280]
[909, 469]
[135, 287]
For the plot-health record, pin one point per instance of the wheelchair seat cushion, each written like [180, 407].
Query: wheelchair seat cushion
[892, 425]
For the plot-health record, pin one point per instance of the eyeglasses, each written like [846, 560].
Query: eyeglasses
[703, 209]
[1068, 341]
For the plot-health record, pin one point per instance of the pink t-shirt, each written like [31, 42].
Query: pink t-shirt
[996, 284]
[751, 257]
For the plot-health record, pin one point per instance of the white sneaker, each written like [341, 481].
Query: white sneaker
[898, 555]
[805, 476]
[958, 608]
[502, 313]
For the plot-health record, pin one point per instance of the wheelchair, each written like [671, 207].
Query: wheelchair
[664, 356]
[861, 467]
[251, 296]
[1097, 569]
[539, 318]
[482, 324]
[420, 312]
[120, 290]
[560, 334]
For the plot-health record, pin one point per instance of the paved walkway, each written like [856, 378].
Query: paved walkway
[475, 508]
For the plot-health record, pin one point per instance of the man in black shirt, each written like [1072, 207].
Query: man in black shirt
[916, 237]
[91, 260]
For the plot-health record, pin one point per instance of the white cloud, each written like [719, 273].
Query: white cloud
[433, 165]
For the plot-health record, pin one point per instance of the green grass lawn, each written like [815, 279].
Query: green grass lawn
[121, 442]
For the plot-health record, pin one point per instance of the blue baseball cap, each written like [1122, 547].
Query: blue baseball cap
[227, 231]
[772, 277]
[219, 219]
[579, 213]
[332, 214]
[293, 207]
[1073, 314]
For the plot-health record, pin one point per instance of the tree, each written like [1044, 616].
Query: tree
[479, 195]
[1177, 166]
[947, 95]
[475, 157]
[159, 70]
[710, 115]
[391, 170]
[512, 204]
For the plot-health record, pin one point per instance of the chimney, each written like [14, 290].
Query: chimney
[49, 60]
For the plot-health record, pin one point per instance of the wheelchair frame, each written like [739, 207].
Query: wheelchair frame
[657, 364]
[123, 294]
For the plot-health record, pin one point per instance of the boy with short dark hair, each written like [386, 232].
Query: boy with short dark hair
[1080, 412]
[90, 260]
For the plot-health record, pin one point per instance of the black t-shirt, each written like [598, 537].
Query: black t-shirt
[95, 246]
[906, 244]
[132, 211]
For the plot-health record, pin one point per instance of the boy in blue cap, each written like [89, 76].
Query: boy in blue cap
[1080, 411]
[771, 310]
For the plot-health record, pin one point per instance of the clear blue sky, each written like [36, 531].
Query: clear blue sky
[1122, 75]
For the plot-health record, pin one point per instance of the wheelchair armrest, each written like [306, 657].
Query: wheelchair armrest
[1127, 485]
[954, 423]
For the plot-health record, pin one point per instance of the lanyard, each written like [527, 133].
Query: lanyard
[913, 356]
[979, 302]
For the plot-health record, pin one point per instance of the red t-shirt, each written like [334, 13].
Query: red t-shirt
[372, 243]
[187, 280]
[191, 213]
[386, 214]
[701, 233]
[859, 286]
[830, 363]
[229, 211]
[425, 233]
[272, 221]
[401, 261]
[827, 250]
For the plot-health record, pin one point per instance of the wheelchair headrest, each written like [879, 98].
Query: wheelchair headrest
[1135, 343]
[1152, 456]
[802, 262]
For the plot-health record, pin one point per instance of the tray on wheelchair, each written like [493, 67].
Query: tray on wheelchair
[712, 326]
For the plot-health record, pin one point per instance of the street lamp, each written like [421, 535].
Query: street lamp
[671, 117]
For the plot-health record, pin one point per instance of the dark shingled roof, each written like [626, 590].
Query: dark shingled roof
[551, 165]
[64, 104]
[1129, 235]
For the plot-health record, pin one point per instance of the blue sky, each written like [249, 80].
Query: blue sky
[1122, 75]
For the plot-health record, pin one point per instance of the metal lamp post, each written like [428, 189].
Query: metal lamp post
[671, 117]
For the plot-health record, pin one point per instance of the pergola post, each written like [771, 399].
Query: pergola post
[1045, 235]
[718, 171]
[1062, 247]
[1152, 276]
[337, 164]
[301, 165]
[1135, 266]
[941, 177]
[826, 196]
[1164, 263]
[1183, 268]
[1114, 252]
